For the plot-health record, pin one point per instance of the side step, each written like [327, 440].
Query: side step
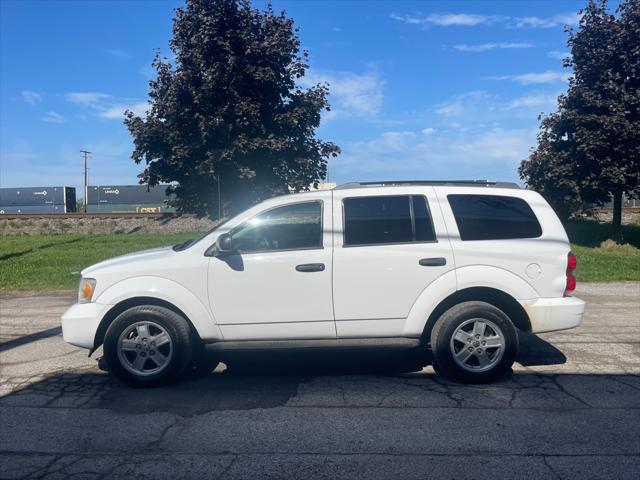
[402, 343]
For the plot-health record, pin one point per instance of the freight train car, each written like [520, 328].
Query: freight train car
[38, 200]
[128, 198]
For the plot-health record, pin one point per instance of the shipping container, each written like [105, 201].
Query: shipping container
[33, 209]
[130, 208]
[25, 196]
[127, 195]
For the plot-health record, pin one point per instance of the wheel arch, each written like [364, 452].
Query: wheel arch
[154, 290]
[125, 305]
[499, 299]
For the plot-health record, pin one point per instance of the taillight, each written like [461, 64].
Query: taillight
[572, 263]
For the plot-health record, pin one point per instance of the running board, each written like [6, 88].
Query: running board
[346, 343]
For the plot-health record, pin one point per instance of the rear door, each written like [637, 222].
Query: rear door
[389, 245]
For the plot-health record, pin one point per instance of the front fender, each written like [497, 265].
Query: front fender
[461, 279]
[168, 291]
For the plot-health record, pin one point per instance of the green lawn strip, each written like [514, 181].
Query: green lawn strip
[608, 264]
[600, 259]
[49, 261]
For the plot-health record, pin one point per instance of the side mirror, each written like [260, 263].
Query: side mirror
[224, 244]
[222, 247]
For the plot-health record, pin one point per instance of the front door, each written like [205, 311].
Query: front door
[278, 283]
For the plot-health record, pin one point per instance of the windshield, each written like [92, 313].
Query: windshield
[189, 243]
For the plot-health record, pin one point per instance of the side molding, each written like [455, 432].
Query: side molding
[169, 291]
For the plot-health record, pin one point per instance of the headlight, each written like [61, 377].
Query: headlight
[86, 289]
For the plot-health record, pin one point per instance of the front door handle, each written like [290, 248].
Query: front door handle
[433, 262]
[310, 267]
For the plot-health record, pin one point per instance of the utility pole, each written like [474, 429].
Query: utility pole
[86, 178]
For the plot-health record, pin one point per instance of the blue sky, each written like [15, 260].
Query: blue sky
[428, 90]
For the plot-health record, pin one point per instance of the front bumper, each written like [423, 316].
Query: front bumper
[80, 323]
[552, 314]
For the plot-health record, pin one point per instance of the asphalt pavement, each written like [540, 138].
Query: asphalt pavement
[571, 409]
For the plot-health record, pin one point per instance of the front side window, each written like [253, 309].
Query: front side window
[290, 227]
[493, 217]
[387, 219]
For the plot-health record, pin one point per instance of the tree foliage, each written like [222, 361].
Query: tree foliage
[589, 149]
[230, 110]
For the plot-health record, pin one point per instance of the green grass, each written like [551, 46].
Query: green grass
[607, 264]
[52, 261]
[600, 259]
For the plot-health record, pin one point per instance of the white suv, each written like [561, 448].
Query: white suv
[453, 268]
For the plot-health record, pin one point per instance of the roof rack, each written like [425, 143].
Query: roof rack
[447, 183]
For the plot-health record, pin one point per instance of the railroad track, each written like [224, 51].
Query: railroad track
[63, 216]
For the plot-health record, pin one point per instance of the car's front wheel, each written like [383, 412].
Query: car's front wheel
[148, 346]
[474, 342]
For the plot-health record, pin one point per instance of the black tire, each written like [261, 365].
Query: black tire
[461, 315]
[174, 325]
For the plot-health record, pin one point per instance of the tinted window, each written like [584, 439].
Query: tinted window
[375, 220]
[424, 227]
[288, 227]
[493, 217]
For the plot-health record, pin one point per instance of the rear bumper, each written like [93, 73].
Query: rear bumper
[552, 314]
[80, 323]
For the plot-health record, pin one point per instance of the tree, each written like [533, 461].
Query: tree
[589, 150]
[229, 120]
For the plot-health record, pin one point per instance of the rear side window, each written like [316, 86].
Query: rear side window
[493, 217]
[388, 219]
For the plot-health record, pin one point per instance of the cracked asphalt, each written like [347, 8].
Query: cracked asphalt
[571, 409]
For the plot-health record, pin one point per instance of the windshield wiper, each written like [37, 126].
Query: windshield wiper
[182, 246]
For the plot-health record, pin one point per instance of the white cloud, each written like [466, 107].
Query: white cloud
[472, 135]
[528, 78]
[351, 94]
[53, 117]
[482, 108]
[107, 106]
[88, 99]
[491, 153]
[116, 52]
[459, 19]
[61, 164]
[548, 22]
[31, 97]
[534, 101]
[483, 47]
[560, 55]
[445, 19]
[472, 19]
[464, 104]
[116, 112]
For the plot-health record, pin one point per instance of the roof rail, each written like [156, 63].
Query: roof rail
[448, 183]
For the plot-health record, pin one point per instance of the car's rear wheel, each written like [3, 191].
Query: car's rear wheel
[474, 342]
[148, 346]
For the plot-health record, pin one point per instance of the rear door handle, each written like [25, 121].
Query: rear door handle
[433, 262]
[310, 267]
